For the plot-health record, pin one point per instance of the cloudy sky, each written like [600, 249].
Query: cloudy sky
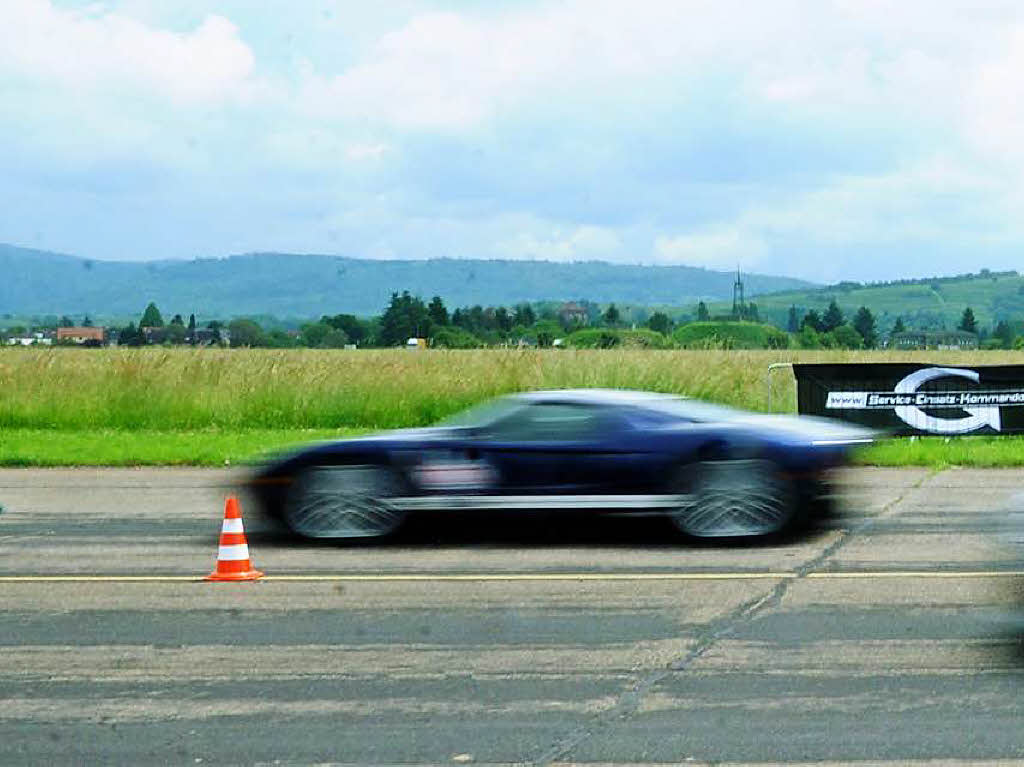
[826, 139]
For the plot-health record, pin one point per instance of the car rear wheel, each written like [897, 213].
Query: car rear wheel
[731, 498]
[344, 502]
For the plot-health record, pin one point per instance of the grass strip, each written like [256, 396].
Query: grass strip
[214, 447]
[943, 452]
[111, 447]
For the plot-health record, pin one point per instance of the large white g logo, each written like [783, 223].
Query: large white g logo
[914, 416]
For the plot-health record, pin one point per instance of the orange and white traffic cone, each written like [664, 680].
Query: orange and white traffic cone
[233, 555]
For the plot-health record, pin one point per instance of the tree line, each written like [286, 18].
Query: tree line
[408, 316]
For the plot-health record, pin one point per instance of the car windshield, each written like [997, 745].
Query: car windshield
[693, 410]
[483, 414]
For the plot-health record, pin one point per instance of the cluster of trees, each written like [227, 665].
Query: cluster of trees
[152, 329]
[830, 330]
[465, 327]
[406, 316]
[747, 312]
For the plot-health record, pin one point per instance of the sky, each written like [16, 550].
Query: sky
[827, 140]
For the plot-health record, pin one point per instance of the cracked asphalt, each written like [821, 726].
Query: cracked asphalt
[891, 633]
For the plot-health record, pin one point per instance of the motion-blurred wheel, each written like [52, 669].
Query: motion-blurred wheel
[343, 502]
[733, 498]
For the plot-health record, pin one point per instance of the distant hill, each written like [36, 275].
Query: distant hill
[929, 303]
[287, 285]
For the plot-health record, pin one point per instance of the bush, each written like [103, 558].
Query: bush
[597, 338]
[454, 338]
[593, 338]
[730, 335]
[846, 337]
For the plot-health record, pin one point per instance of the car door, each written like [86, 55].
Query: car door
[559, 447]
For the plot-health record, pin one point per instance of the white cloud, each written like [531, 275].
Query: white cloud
[96, 50]
[578, 244]
[363, 151]
[456, 71]
[932, 206]
[715, 249]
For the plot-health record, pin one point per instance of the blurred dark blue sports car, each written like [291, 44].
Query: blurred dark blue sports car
[714, 471]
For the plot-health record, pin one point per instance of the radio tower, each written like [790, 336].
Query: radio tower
[739, 306]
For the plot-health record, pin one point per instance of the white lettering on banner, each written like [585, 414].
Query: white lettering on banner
[847, 400]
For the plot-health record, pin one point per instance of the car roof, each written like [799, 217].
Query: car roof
[599, 396]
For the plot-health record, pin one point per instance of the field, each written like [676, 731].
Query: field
[125, 406]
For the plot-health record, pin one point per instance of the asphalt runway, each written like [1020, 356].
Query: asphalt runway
[892, 633]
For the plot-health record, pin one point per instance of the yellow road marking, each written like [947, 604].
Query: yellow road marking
[497, 577]
[916, 574]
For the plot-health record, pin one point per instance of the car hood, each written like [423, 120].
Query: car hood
[412, 435]
[820, 431]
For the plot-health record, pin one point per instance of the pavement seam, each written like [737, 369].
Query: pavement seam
[629, 702]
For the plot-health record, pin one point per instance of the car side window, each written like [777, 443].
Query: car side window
[641, 420]
[551, 422]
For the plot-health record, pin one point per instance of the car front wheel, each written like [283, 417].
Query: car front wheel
[343, 502]
[732, 498]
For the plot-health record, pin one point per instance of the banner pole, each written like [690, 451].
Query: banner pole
[768, 379]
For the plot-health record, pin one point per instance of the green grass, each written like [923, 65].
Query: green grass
[108, 447]
[205, 407]
[942, 452]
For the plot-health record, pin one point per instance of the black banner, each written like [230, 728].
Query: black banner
[904, 398]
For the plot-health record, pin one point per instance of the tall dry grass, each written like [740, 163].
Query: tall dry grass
[172, 389]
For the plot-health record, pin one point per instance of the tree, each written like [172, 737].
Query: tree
[130, 336]
[406, 317]
[660, 322]
[66, 322]
[437, 311]
[358, 332]
[793, 320]
[847, 337]
[87, 321]
[151, 317]
[1005, 334]
[808, 337]
[450, 337]
[322, 335]
[611, 316]
[525, 315]
[503, 319]
[177, 320]
[864, 323]
[898, 326]
[832, 318]
[812, 320]
[245, 332]
[280, 339]
[967, 321]
[214, 326]
[175, 333]
[751, 314]
[703, 315]
[191, 335]
[335, 339]
[546, 332]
